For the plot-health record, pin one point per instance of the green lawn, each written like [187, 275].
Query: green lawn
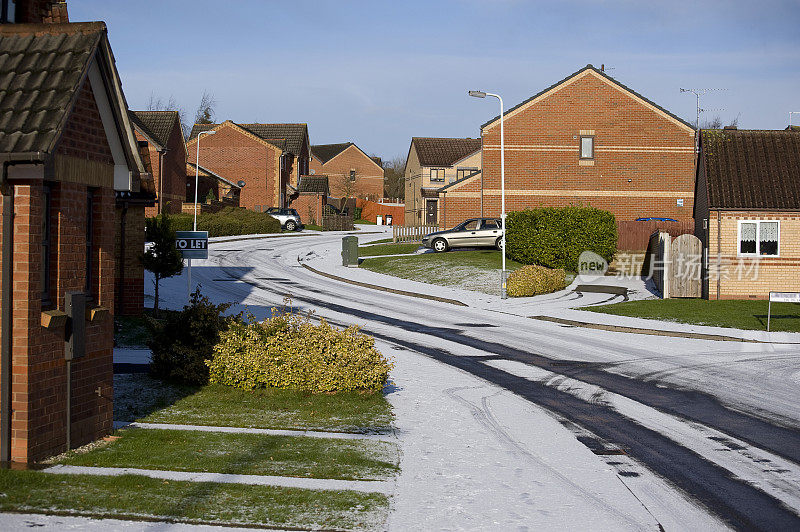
[471, 269]
[141, 398]
[135, 497]
[387, 249]
[738, 314]
[245, 454]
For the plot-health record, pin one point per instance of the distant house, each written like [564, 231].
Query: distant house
[590, 140]
[72, 175]
[269, 158]
[350, 171]
[433, 163]
[747, 212]
[165, 157]
[311, 198]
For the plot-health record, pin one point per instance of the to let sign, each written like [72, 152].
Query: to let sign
[192, 244]
[785, 297]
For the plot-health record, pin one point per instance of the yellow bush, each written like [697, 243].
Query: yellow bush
[534, 280]
[290, 351]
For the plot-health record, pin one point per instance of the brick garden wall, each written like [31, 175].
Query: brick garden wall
[309, 207]
[632, 141]
[370, 210]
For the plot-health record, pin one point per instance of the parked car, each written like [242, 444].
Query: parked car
[475, 232]
[288, 218]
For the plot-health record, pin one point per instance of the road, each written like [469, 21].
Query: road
[717, 420]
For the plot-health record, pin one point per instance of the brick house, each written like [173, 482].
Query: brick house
[431, 164]
[165, 158]
[747, 212]
[269, 158]
[68, 149]
[350, 171]
[590, 140]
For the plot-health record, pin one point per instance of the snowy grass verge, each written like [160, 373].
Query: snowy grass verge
[736, 314]
[138, 397]
[136, 497]
[470, 269]
[373, 250]
[243, 454]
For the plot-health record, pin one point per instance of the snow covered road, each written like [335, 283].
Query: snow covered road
[668, 418]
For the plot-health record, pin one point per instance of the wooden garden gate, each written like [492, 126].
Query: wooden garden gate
[686, 266]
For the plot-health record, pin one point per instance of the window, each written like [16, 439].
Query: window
[46, 239]
[759, 238]
[491, 224]
[352, 175]
[437, 174]
[461, 173]
[89, 241]
[587, 147]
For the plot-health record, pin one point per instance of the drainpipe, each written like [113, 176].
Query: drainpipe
[5, 326]
[160, 182]
[719, 251]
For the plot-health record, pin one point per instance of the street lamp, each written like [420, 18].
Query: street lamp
[197, 174]
[503, 275]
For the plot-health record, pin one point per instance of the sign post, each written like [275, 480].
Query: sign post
[192, 245]
[780, 297]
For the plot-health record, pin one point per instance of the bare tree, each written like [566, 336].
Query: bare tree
[394, 185]
[716, 122]
[157, 103]
[205, 111]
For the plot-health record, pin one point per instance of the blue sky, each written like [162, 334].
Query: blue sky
[377, 73]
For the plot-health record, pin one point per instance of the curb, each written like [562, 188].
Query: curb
[653, 332]
[383, 288]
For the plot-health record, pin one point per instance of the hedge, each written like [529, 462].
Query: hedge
[290, 351]
[227, 222]
[555, 237]
[534, 280]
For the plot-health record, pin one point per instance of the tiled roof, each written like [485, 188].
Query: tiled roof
[316, 184]
[41, 68]
[192, 168]
[752, 169]
[326, 152]
[600, 73]
[294, 135]
[157, 125]
[443, 151]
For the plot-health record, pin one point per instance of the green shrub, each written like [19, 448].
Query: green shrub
[555, 237]
[290, 351]
[534, 280]
[186, 339]
[228, 222]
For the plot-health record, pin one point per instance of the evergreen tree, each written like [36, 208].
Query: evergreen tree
[162, 257]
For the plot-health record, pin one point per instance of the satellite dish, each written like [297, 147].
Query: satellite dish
[312, 172]
[241, 184]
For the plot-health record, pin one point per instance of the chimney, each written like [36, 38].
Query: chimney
[734, 128]
[602, 67]
[41, 12]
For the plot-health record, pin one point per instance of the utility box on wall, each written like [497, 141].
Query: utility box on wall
[75, 338]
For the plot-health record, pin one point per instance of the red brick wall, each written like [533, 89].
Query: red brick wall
[39, 371]
[130, 287]
[236, 156]
[309, 207]
[632, 142]
[369, 176]
[174, 173]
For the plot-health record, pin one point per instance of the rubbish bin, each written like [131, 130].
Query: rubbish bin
[379, 220]
[388, 219]
[350, 251]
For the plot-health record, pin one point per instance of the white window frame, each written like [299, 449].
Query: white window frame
[580, 148]
[439, 171]
[758, 241]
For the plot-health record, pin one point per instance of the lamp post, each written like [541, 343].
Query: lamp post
[197, 174]
[196, 186]
[503, 274]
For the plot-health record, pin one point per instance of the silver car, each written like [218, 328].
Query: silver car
[475, 232]
[288, 218]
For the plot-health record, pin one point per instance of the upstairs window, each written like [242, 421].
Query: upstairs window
[587, 147]
[759, 238]
[437, 174]
[352, 175]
